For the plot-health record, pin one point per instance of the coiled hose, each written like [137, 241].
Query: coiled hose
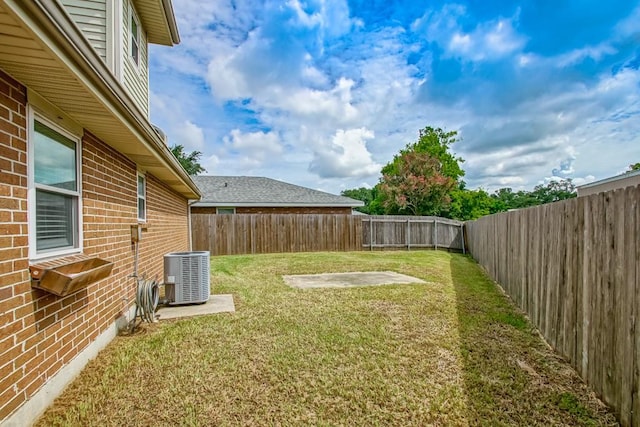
[147, 298]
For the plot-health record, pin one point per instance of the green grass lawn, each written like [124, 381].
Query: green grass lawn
[452, 351]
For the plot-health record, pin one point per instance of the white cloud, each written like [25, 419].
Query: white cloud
[489, 40]
[341, 97]
[255, 147]
[345, 156]
[583, 180]
[191, 136]
[210, 164]
[578, 55]
[628, 27]
[492, 40]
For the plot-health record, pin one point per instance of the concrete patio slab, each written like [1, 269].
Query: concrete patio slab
[216, 304]
[346, 280]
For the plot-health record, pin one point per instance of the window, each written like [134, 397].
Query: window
[55, 190]
[225, 211]
[142, 198]
[134, 32]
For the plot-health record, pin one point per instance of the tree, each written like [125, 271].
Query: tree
[467, 205]
[189, 161]
[436, 143]
[417, 185]
[441, 170]
[506, 198]
[634, 167]
[368, 196]
[553, 191]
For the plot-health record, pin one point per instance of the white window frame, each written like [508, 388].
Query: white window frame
[34, 254]
[134, 16]
[142, 197]
[233, 211]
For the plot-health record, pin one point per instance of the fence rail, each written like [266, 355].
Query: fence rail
[266, 233]
[380, 232]
[574, 268]
[261, 233]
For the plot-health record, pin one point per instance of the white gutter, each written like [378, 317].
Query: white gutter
[610, 179]
[274, 205]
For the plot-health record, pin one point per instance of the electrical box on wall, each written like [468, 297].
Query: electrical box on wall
[136, 233]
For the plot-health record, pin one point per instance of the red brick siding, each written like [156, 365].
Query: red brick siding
[167, 228]
[278, 210]
[40, 332]
[14, 252]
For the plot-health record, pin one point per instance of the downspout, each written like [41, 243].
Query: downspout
[189, 203]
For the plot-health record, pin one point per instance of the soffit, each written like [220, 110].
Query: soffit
[158, 21]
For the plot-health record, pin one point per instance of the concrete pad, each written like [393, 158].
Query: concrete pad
[216, 304]
[347, 280]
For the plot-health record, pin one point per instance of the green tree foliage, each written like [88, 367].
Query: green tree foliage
[554, 191]
[506, 198]
[436, 143]
[440, 171]
[634, 167]
[369, 197]
[189, 161]
[467, 205]
[417, 185]
[424, 178]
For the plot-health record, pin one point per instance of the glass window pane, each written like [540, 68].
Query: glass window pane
[141, 209]
[134, 51]
[140, 186]
[135, 36]
[226, 211]
[55, 219]
[134, 27]
[54, 158]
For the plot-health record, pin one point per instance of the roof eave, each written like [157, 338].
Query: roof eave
[52, 21]
[163, 31]
[610, 179]
[171, 20]
[275, 205]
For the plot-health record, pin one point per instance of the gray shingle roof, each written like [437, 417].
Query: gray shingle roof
[260, 191]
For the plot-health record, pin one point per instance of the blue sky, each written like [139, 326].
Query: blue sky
[323, 93]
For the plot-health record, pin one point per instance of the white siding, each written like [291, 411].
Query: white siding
[91, 17]
[135, 78]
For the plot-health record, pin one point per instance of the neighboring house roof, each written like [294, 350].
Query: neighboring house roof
[614, 182]
[245, 191]
[49, 54]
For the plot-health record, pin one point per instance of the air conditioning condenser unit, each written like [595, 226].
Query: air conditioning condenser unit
[186, 277]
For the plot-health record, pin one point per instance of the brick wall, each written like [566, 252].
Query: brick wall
[14, 277]
[40, 332]
[277, 210]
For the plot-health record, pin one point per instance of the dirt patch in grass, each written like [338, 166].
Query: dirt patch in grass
[451, 351]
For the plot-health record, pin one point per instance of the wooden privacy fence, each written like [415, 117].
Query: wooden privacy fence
[574, 268]
[260, 233]
[264, 233]
[384, 232]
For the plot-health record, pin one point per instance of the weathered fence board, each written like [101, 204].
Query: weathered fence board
[417, 232]
[263, 233]
[574, 268]
[258, 233]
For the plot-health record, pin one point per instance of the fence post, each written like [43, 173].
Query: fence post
[435, 231]
[462, 237]
[370, 234]
[408, 234]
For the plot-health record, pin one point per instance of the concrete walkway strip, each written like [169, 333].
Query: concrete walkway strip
[347, 280]
[216, 304]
